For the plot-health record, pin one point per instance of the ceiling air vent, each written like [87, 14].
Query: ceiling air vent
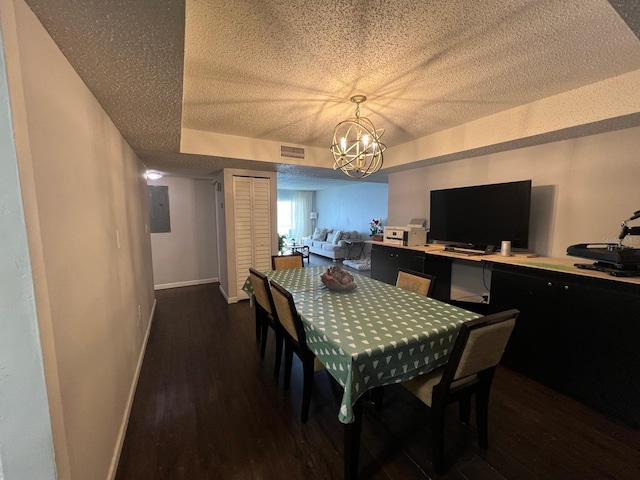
[291, 152]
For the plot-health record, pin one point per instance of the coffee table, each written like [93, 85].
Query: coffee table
[301, 249]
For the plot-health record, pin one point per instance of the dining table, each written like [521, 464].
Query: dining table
[371, 336]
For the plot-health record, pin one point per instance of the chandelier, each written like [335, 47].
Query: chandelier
[356, 147]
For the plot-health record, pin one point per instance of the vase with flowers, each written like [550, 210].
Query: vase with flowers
[376, 229]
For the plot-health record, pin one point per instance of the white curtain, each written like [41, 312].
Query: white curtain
[303, 202]
[294, 209]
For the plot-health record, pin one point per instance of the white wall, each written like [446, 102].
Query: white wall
[188, 254]
[86, 213]
[25, 425]
[582, 188]
[352, 207]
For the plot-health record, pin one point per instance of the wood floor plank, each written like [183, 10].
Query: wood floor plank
[207, 407]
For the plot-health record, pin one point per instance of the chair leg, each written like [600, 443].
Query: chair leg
[263, 338]
[288, 360]
[279, 341]
[465, 410]
[258, 322]
[482, 417]
[307, 388]
[437, 437]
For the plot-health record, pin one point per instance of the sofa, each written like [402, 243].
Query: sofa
[330, 243]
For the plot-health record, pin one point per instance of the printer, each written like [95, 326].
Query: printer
[415, 233]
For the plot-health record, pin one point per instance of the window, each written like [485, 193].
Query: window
[294, 208]
[286, 224]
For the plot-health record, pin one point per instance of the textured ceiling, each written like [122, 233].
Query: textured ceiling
[130, 55]
[284, 70]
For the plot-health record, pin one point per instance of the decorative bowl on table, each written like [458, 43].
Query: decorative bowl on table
[335, 278]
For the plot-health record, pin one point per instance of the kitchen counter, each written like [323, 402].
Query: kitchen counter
[563, 265]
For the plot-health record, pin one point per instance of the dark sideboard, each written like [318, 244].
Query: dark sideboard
[386, 260]
[578, 331]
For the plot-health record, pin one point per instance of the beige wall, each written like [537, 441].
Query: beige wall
[86, 216]
[188, 254]
[582, 189]
[25, 422]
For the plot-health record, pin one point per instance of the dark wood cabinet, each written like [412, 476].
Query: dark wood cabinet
[386, 260]
[578, 335]
[441, 268]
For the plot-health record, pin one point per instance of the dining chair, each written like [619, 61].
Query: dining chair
[265, 312]
[418, 282]
[469, 371]
[295, 341]
[283, 262]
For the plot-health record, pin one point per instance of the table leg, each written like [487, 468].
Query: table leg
[352, 442]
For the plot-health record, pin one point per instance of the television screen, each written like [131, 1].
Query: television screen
[482, 215]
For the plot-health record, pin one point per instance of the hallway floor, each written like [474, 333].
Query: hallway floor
[207, 407]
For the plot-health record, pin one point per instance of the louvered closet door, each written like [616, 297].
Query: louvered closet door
[252, 200]
[261, 224]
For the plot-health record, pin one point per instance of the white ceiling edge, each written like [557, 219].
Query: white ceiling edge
[591, 105]
[615, 97]
[200, 142]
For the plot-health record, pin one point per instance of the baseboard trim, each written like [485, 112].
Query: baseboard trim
[224, 293]
[113, 468]
[188, 283]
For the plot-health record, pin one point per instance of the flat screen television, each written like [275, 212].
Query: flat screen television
[478, 216]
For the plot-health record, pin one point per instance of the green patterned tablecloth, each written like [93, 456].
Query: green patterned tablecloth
[374, 335]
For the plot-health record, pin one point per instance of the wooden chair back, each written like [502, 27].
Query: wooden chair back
[417, 282]
[283, 262]
[262, 291]
[479, 346]
[469, 371]
[287, 313]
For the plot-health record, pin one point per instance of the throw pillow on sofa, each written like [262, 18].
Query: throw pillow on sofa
[320, 234]
[335, 237]
[345, 236]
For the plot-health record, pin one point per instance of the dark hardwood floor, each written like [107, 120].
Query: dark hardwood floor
[207, 407]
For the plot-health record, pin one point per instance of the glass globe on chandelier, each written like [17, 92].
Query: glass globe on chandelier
[356, 147]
